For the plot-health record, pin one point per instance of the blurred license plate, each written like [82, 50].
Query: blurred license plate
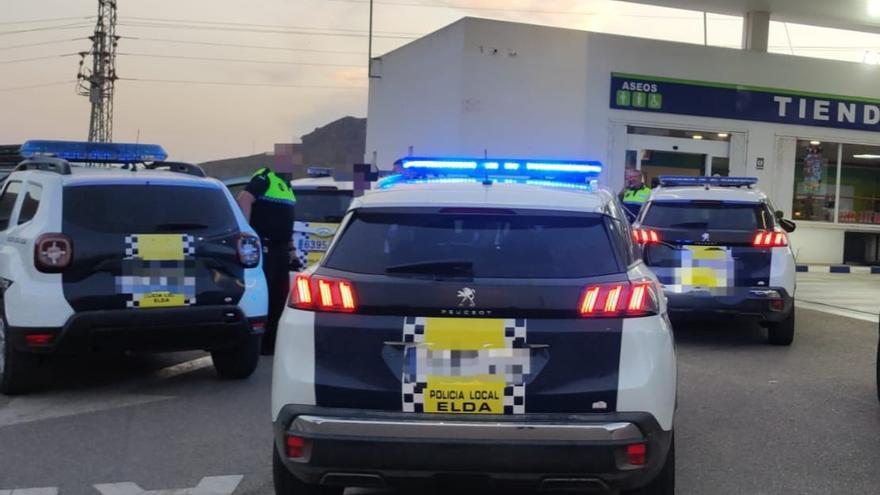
[315, 245]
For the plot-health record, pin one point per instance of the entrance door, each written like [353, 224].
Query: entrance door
[675, 154]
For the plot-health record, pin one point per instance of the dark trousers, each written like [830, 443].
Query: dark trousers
[276, 266]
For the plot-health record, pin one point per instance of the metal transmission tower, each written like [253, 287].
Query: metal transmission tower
[98, 81]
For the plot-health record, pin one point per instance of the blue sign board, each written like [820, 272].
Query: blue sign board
[733, 101]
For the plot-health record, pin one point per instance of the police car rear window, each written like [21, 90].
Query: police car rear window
[321, 205]
[707, 215]
[129, 208]
[472, 244]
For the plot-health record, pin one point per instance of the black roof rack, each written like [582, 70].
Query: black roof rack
[179, 167]
[46, 164]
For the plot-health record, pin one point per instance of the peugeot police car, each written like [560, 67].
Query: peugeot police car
[719, 248]
[321, 201]
[480, 322]
[149, 257]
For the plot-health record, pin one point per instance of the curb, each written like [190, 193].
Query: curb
[873, 270]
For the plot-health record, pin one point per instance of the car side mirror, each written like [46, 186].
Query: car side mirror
[779, 214]
[787, 225]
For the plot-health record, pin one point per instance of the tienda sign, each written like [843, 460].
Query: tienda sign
[733, 101]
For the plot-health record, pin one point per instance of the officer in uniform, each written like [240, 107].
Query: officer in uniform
[636, 192]
[268, 204]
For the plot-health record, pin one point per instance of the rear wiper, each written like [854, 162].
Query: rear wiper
[688, 224]
[434, 268]
[164, 227]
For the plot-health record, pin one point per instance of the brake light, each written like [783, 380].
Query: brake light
[296, 447]
[646, 236]
[770, 239]
[248, 247]
[38, 339]
[637, 454]
[53, 253]
[322, 294]
[621, 299]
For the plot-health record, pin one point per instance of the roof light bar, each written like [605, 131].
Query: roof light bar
[684, 180]
[80, 151]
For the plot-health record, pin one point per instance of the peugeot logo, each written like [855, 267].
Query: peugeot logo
[704, 237]
[324, 231]
[468, 297]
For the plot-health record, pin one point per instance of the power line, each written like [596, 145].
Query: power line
[247, 24]
[244, 84]
[33, 86]
[41, 43]
[33, 59]
[263, 31]
[36, 21]
[236, 45]
[46, 28]
[236, 60]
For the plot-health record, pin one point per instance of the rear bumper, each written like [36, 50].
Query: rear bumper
[167, 329]
[744, 302]
[535, 451]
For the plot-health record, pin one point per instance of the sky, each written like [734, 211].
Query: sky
[213, 79]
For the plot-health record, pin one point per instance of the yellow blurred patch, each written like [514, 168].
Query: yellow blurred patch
[162, 300]
[464, 334]
[160, 247]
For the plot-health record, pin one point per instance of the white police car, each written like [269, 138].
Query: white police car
[477, 322]
[720, 248]
[130, 257]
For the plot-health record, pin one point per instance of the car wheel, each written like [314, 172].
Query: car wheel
[781, 332]
[17, 369]
[288, 484]
[664, 483]
[239, 362]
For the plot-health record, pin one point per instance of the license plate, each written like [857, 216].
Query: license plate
[314, 245]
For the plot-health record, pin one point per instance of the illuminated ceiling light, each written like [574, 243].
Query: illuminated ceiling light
[874, 8]
[723, 135]
[697, 137]
[867, 156]
[815, 143]
[871, 58]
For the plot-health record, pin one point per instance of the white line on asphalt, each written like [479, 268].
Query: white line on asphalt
[212, 485]
[184, 367]
[837, 311]
[29, 409]
[49, 490]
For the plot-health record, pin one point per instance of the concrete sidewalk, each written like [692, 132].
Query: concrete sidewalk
[852, 295]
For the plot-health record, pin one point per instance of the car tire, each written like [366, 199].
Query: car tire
[17, 369]
[664, 483]
[239, 362]
[288, 484]
[781, 332]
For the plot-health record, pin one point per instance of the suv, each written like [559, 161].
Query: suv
[153, 257]
[477, 322]
[321, 201]
[720, 249]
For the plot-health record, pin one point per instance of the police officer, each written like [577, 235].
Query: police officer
[636, 192]
[268, 204]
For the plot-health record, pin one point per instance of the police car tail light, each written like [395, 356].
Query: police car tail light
[637, 454]
[646, 236]
[53, 253]
[623, 299]
[323, 294]
[248, 247]
[770, 239]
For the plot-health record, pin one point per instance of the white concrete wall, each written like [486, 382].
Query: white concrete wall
[545, 93]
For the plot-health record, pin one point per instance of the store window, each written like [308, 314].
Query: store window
[815, 181]
[860, 185]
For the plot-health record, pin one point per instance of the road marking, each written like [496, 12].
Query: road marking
[49, 490]
[184, 367]
[29, 409]
[213, 485]
[837, 310]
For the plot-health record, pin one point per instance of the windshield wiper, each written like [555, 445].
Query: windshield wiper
[689, 224]
[454, 267]
[164, 227]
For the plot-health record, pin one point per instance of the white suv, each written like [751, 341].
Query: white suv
[131, 257]
[485, 322]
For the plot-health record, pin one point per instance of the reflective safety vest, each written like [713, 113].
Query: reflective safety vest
[637, 195]
[279, 190]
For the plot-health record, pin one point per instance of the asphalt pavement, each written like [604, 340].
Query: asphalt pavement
[752, 419]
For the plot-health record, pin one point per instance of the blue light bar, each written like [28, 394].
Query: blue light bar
[685, 180]
[79, 151]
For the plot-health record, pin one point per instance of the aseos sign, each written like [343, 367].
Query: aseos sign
[732, 101]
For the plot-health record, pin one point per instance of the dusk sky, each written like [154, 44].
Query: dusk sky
[304, 63]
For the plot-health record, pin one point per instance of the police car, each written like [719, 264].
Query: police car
[477, 322]
[720, 248]
[151, 257]
[321, 202]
